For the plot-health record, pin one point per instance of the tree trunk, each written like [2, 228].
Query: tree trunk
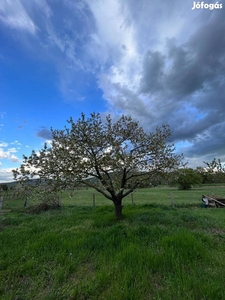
[118, 208]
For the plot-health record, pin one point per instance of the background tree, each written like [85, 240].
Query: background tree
[120, 156]
[4, 187]
[206, 176]
[186, 178]
[216, 170]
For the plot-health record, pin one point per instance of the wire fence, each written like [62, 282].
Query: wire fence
[162, 195]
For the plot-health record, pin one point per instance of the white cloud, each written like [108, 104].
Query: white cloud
[44, 7]
[6, 175]
[14, 158]
[48, 143]
[3, 154]
[2, 114]
[3, 144]
[12, 150]
[109, 24]
[16, 143]
[14, 15]
[7, 153]
[114, 40]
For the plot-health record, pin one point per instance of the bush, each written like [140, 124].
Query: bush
[187, 178]
[4, 187]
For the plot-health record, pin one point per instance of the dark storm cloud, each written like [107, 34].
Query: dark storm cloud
[44, 133]
[153, 72]
[128, 100]
[200, 61]
[190, 66]
[211, 143]
[184, 76]
[186, 83]
[192, 73]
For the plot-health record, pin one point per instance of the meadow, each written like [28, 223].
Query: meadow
[166, 247]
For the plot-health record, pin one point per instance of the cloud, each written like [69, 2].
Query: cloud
[14, 158]
[3, 144]
[7, 153]
[153, 72]
[181, 76]
[14, 15]
[44, 133]
[16, 143]
[6, 175]
[2, 114]
[158, 61]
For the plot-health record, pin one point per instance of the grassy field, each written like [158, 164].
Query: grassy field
[158, 251]
[159, 195]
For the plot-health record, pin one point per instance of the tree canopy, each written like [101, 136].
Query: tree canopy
[119, 155]
[216, 169]
[188, 177]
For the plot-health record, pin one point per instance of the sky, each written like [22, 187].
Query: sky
[158, 61]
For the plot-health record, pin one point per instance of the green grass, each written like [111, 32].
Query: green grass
[80, 252]
[162, 194]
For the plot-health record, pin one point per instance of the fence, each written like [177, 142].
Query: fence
[11, 195]
[1, 201]
[89, 197]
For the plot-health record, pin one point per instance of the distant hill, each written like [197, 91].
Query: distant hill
[9, 184]
[14, 183]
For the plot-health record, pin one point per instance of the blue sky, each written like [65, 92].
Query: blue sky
[159, 61]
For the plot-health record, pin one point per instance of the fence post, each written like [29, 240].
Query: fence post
[132, 198]
[172, 198]
[94, 200]
[1, 201]
[26, 202]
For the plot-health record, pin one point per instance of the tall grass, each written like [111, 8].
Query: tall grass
[80, 252]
